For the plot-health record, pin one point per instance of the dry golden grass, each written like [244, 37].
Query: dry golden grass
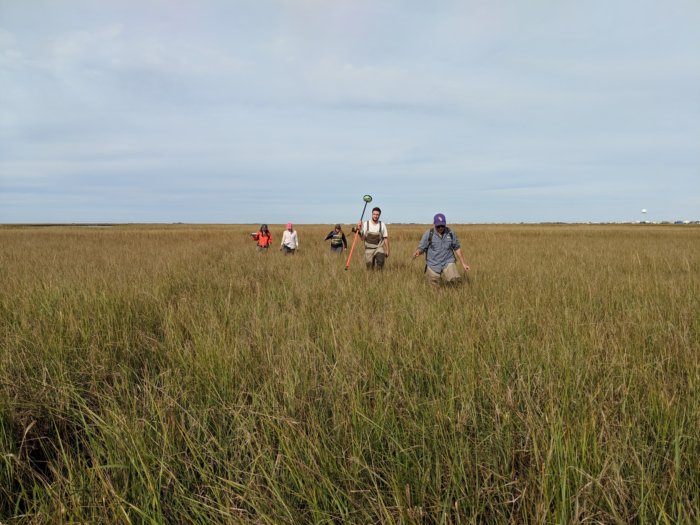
[171, 374]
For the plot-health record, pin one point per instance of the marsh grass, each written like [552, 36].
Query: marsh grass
[170, 374]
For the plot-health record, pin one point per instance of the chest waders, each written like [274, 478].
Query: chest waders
[374, 239]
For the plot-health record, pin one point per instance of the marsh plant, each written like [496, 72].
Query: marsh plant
[171, 374]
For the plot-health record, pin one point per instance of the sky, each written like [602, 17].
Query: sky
[252, 111]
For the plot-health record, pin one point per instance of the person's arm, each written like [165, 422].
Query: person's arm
[457, 250]
[345, 242]
[458, 253]
[422, 245]
[329, 235]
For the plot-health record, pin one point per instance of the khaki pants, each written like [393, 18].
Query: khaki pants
[450, 274]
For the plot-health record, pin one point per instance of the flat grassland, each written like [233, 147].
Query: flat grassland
[170, 374]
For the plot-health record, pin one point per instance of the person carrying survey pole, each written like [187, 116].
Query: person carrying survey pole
[442, 249]
[356, 231]
[376, 237]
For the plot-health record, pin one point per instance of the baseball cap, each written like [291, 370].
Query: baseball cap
[439, 219]
[289, 225]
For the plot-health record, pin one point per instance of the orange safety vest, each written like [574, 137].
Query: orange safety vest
[263, 240]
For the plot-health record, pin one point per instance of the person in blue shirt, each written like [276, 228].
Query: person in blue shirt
[442, 249]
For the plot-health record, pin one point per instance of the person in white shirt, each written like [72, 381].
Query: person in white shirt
[290, 240]
[376, 238]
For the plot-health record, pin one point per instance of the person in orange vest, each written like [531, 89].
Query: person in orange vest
[264, 238]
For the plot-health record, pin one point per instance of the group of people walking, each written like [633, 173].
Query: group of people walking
[289, 244]
[439, 244]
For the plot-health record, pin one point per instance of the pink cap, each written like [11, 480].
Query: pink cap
[289, 225]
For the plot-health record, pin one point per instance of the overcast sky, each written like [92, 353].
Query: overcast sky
[233, 111]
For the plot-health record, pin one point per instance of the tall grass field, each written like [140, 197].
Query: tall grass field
[171, 374]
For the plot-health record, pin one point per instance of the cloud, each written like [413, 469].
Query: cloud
[491, 99]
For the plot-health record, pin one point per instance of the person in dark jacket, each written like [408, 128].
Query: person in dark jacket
[338, 240]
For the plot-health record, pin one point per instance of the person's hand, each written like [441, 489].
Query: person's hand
[466, 267]
[416, 254]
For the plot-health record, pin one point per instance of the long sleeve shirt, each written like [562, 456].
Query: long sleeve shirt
[337, 239]
[290, 239]
[439, 250]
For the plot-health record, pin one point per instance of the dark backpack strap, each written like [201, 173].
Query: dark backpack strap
[380, 228]
[430, 242]
[452, 240]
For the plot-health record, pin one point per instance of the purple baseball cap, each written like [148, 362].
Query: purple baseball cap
[439, 219]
